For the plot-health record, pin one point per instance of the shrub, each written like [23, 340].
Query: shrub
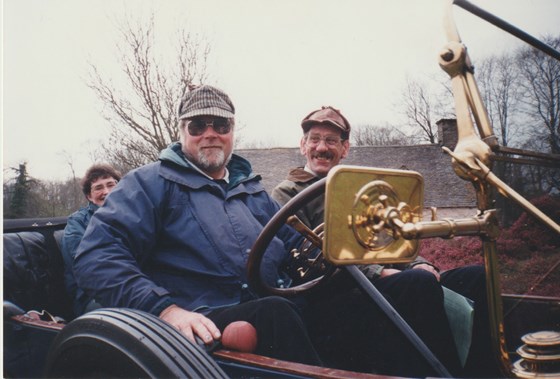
[528, 252]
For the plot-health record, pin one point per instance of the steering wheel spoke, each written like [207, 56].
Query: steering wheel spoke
[308, 267]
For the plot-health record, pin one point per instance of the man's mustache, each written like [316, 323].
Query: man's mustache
[326, 155]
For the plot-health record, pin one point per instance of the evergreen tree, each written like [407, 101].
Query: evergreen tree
[21, 192]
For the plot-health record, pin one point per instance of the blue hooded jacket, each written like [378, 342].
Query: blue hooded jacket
[73, 232]
[168, 234]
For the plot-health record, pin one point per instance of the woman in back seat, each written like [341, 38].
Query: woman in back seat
[99, 180]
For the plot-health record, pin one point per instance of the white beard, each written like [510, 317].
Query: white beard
[211, 161]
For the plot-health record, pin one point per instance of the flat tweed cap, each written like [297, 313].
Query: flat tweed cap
[206, 101]
[327, 115]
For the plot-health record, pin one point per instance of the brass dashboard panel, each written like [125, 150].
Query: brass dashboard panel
[356, 199]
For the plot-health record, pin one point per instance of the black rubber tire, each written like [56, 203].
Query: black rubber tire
[126, 343]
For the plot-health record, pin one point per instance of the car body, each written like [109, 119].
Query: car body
[42, 337]
[37, 310]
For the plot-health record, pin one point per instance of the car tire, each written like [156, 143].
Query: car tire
[120, 343]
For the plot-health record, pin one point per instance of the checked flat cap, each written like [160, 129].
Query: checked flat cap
[206, 101]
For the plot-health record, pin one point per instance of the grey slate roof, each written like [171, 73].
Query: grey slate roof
[442, 187]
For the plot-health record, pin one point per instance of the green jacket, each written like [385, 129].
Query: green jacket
[298, 179]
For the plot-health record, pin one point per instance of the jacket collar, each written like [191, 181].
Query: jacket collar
[92, 208]
[239, 168]
[301, 175]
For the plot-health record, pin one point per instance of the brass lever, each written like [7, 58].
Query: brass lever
[298, 225]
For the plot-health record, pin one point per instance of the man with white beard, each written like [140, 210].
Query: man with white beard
[173, 238]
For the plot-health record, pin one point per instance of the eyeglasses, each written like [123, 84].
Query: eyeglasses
[315, 139]
[100, 187]
[197, 127]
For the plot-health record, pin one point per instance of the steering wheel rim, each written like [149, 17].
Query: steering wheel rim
[266, 236]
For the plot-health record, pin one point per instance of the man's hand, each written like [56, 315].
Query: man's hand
[191, 324]
[388, 272]
[429, 268]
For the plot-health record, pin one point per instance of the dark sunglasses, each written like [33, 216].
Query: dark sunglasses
[197, 127]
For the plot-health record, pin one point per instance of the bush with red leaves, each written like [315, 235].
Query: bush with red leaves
[528, 252]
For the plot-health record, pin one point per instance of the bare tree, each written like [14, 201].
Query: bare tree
[142, 110]
[521, 94]
[423, 108]
[75, 195]
[370, 135]
[498, 81]
[541, 86]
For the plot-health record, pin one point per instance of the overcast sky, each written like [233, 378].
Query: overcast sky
[278, 60]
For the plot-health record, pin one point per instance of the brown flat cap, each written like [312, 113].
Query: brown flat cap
[329, 116]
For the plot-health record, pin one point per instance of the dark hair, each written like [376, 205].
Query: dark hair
[98, 171]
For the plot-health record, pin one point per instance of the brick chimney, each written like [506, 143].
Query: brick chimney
[447, 132]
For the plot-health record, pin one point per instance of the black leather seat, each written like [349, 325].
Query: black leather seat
[34, 272]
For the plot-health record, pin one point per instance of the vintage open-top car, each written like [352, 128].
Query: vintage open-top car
[372, 215]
